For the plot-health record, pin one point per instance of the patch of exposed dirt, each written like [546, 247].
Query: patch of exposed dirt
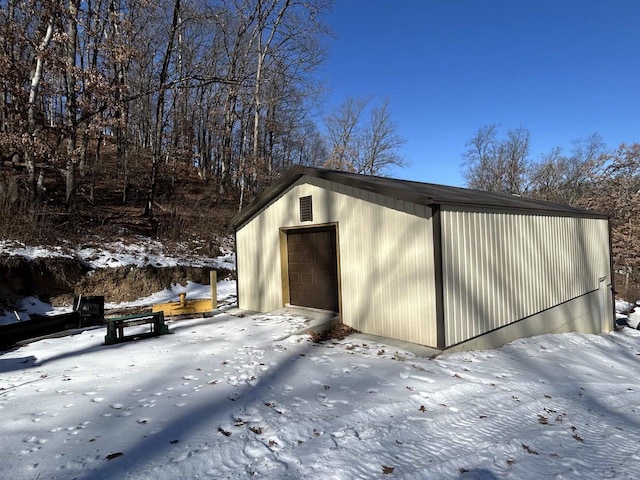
[124, 284]
[42, 277]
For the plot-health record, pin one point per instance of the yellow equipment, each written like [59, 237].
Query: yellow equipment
[189, 307]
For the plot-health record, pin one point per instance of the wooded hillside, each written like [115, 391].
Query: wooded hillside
[138, 95]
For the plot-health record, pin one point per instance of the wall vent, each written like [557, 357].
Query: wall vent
[306, 209]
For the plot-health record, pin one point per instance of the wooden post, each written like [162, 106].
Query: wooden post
[213, 280]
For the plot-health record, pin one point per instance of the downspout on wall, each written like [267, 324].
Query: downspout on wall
[235, 249]
[613, 279]
[438, 276]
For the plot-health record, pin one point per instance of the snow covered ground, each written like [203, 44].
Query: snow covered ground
[240, 397]
[245, 397]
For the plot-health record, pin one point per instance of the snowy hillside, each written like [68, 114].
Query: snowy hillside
[138, 253]
[230, 397]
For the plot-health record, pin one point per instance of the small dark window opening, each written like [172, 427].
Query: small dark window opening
[306, 209]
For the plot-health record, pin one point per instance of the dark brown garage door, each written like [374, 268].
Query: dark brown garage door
[313, 268]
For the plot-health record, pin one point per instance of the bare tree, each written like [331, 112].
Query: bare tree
[160, 105]
[366, 145]
[495, 164]
[70, 56]
[568, 178]
[344, 134]
[381, 143]
[40, 46]
[548, 176]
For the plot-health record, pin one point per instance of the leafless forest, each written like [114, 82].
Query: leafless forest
[134, 99]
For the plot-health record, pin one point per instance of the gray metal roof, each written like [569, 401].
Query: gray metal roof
[428, 194]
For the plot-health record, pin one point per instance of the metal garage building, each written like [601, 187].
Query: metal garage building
[446, 267]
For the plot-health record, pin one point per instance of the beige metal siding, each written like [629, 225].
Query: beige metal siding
[501, 267]
[581, 314]
[258, 263]
[385, 255]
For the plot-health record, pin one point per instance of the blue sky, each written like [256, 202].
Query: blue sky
[563, 69]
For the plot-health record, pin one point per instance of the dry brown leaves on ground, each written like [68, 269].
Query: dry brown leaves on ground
[337, 332]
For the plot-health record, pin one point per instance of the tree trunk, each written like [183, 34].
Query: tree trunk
[157, 146]
[262, 53]
[36, 77]
[72, 107]
[227, 140]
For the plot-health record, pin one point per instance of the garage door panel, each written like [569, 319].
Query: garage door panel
[307, 258]
[294, 257]
[294, 277]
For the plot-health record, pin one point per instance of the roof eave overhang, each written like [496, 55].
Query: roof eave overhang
[296, 172]
[577, 212]
[268, 194]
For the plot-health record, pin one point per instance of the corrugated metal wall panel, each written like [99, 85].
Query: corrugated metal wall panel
[258, 264]
[385, 255]
[501, 267]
